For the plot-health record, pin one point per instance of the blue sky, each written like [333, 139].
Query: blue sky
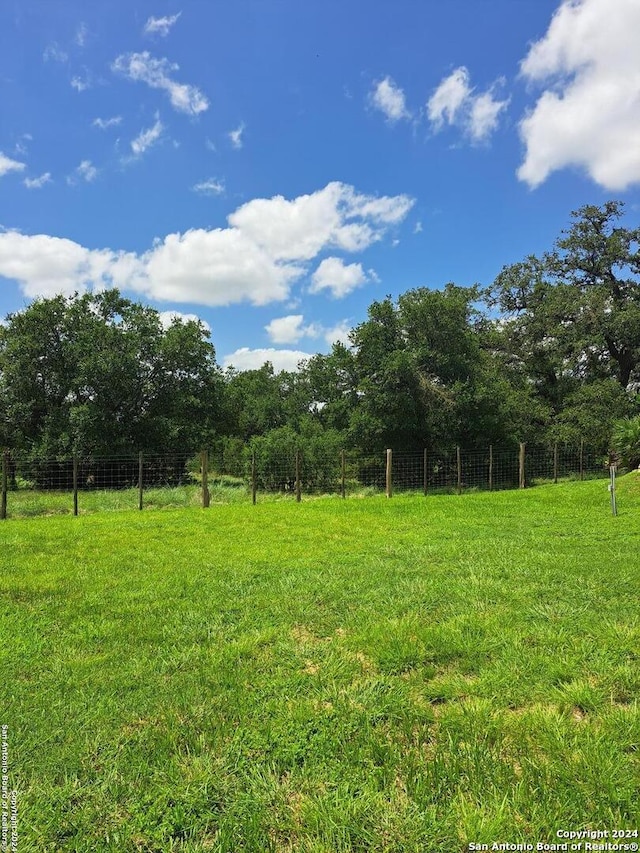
[273, 167]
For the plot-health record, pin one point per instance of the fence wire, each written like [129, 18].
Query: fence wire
[33, 486]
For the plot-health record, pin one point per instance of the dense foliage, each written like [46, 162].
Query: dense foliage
[98, 374]
[549, 352]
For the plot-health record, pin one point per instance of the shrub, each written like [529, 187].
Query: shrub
[626, 441]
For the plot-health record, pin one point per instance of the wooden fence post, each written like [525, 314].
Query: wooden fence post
[389, 474]
[5, 466]
[75, 484]
[206, 498]
[459, 468]
[342, 475]
[425, 484]
[555, 462]
[140, 479]
[521, 473]
[298, 483]
[253, 478]
[582, 458]
[491, 467]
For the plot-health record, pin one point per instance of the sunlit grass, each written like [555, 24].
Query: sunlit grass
[388, 675]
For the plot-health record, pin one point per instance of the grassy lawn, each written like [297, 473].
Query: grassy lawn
[370, 675]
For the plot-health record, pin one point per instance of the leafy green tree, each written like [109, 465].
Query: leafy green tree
[574, 314]
[98, 374]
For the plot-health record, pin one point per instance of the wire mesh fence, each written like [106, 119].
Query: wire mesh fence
[35, 486]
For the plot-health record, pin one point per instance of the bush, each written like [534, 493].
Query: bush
[626, 441]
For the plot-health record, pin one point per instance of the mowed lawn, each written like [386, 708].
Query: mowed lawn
[413, 674]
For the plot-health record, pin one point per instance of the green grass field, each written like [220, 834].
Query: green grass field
[413, 674]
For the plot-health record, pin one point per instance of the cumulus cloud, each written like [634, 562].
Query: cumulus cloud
[144, 68]
[256, 259]
[290, 329]
[212, 186]
[336, 276]
[216, 267]
[338, 334]
[160, 26]
[389, 99]
[45, 266]
[37, 183]
[146, 138]
[86, 171]
[334, 217]
[454, 103]
[588, 114]
[167, 318]
[9, 165]
[251, 359]
[104, 123]
[235, 136]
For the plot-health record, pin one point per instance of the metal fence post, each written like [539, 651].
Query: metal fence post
[140, 479]
[205, 478]
[75, 484]
[389, 474]
[491, 467]
[612, 489]
[298, 483]
[253, 478]
[425, 483]
[5, 466]
[521, 471]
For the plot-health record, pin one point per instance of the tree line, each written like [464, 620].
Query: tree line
[549, 352]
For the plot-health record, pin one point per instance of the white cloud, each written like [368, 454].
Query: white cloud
[9, 165]
[142, 67]
[81, 35]
[252, 359]
[483, 116]
[417, 228]
[333, 217]
[212, 186]
[37, 183]
[211, 146]
[256, 259]
[167, 318]
[448, 99]
[589, 113]
[104, 123]
[86, 171]
[340, 278]
[79, 84]
[45, 266]
[454, 103]
[389, 99]
[218, 267]
[146, 138]
[290, 329]
[20, 147]
[160, 26]
[338, 334]
[54, 52]
[235, 136]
